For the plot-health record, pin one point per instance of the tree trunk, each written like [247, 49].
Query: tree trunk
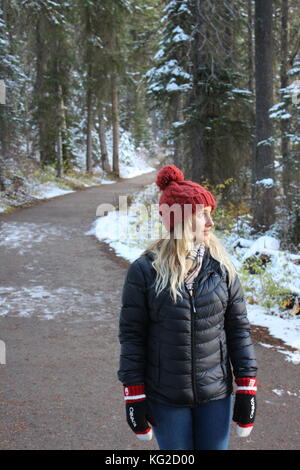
[250, 47]
[61, 133]
[102, 138]
[39, 87]
[89, 94]
[89, 127]
[2, 185]
[251, 84]
[229, 35]
[286, 170]
[263, 190]
[115, 124]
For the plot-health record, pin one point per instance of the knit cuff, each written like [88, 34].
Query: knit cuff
[134, 393]
[246, 385]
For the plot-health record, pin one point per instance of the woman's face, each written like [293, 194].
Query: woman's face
[204, 224]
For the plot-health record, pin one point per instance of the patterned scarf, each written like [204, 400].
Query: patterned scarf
[196, 254]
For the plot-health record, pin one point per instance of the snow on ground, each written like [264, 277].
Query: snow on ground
[39, 301]
[286, 329]
[49, 190]
[281, 267]
[281, 392]
[127, 231]
[132, 162]
[25, 237]
[36, 297]
[127, 234]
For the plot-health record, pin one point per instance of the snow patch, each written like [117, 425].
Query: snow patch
[67, 303]
[49, 190]
[24, 236]
[266, 182]
[286, 329]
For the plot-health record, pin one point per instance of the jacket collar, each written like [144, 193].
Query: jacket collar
[209, 264]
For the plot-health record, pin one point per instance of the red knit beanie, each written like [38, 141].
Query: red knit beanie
[175, 190]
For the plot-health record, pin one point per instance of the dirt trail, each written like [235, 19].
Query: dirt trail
[61, 290]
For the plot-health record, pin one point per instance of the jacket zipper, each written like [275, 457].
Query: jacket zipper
[193, 311]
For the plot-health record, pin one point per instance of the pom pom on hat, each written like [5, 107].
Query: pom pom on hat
[167, 174]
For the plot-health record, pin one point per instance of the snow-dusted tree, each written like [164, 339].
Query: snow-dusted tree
[198, 81]
[170, 79]
[48, 39]
[6, 72]
[12, 113]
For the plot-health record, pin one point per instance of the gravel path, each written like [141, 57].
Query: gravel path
[60, 292]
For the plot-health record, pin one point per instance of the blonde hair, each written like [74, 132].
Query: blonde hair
[170, 257]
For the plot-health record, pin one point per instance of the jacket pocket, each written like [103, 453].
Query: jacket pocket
[222, 354]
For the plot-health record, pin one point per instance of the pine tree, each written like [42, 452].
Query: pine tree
[203, 94]
[49, 39]
[11, 112]
[103, 32]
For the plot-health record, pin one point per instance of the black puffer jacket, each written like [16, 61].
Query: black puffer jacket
[184, 353]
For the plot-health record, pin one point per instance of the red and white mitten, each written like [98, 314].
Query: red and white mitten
[245, 405]
[137, 412]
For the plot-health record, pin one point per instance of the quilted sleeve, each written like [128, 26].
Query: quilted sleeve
[237, 327]
[133, 327]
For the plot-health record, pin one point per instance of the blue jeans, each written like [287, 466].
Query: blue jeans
[205, 427]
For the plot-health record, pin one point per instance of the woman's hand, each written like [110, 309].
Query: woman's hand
[137, 413]
[245, 405]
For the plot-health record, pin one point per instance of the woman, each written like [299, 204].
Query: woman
[184, 330]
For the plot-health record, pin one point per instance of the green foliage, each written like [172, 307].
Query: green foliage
[46, 174]
[229, 216]
[261, 288]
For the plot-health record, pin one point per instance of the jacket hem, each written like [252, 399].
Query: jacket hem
[191, 404]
